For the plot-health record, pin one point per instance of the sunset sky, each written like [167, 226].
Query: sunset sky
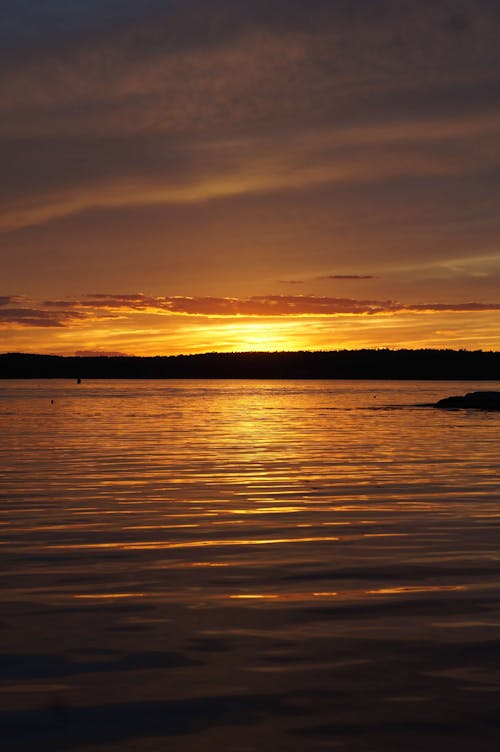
[195, 175]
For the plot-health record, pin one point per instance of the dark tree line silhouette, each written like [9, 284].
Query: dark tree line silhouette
[337, 364]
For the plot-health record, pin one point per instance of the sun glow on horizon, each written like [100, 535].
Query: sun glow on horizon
[143, 333]
[263, 336]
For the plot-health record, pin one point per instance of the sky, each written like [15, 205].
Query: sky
[186, 176]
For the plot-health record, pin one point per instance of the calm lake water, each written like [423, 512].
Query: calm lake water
[248, 565]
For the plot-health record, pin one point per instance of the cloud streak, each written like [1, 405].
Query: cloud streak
[348, 276]
[201, 101]
[6, 300]
[100, 307]
[39, 317]
[214, 170]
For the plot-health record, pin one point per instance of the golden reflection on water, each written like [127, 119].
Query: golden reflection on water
[255, 596]
[107, 596]
[353, 594]
[272, 564]
[161, 527]
[192, 544]
[135, 479]
[415, 589]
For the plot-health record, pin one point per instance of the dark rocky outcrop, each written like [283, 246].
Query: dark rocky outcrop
[474, 400]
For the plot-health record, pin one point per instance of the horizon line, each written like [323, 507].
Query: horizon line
[82, 356]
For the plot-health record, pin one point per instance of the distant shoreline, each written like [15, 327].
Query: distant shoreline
[425, 364]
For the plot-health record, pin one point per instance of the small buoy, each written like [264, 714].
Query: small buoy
[51, 402]
[78, 381]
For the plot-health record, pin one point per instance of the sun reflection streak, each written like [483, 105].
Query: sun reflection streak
[403, 589]
[189, 544]
[108, 596]
[161, 527]
[344, 595]
[255, 596]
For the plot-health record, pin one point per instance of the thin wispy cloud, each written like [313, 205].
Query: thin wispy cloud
[115, 178]
[348, 276]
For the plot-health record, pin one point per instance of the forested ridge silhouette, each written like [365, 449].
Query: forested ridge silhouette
[336, 364]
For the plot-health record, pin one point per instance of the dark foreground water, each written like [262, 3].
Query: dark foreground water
[241, 566]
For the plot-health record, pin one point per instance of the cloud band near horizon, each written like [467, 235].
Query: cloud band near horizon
[99, 307]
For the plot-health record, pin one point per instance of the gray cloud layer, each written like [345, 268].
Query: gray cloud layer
[316, 133]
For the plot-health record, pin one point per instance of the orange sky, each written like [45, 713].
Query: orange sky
[234, 175]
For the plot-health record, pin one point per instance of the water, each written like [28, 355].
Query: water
[248, 565]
